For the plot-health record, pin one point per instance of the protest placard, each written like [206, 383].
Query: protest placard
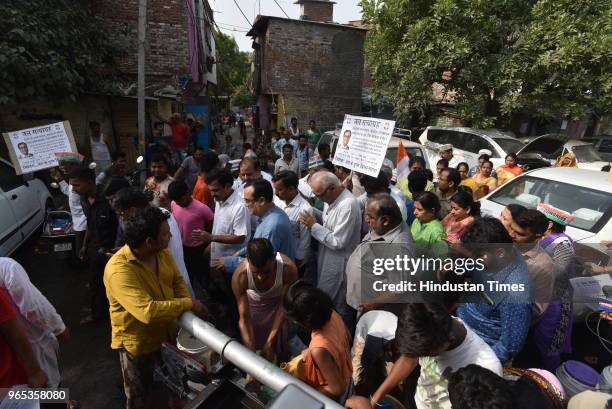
[34, 149]
[362, 144]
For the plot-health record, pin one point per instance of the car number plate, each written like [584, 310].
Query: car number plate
[62, 247]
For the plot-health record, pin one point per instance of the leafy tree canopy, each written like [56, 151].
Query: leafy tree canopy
[494, 57]
[233, 66]
[52, 48]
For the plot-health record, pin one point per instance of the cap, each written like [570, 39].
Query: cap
[250, 154]
[314, 161]
[387, 167]
[485, 152]
[446, 147]
[556, 215]
[69, 157]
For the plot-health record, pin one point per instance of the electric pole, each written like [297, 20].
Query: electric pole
[142, 38]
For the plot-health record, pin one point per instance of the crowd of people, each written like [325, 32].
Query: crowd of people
[276, 260]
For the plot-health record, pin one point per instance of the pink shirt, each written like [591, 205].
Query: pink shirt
[196, 216]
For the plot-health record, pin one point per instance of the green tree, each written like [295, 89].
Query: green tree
[53, 48]
[494, 57]
[233, 66]
[241, 97]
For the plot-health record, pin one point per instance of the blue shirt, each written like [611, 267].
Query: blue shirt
[303, 156]
[274, 226]
[505, 324]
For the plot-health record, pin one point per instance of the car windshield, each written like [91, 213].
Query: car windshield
[509, 145]
[586, 153]
[592, 208]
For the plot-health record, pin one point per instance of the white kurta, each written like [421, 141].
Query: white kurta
[300, 232]
[338, 237]
[176, 248]
[39, 318]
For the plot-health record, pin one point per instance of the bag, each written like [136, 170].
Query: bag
[296, 367]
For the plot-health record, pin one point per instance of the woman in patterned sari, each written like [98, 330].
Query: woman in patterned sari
[508, 171]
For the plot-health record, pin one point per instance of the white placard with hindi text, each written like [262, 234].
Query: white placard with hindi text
[362, 144]
[34, 149]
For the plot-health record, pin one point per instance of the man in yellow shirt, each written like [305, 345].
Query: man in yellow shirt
[146, 294]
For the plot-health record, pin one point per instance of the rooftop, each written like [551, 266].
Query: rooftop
[261, 23]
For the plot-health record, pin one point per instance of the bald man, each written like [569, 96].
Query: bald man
[338, 237]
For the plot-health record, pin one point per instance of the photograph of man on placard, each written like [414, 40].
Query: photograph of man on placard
[346, 137]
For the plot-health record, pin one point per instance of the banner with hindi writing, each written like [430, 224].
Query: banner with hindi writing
[362, 144]
[34, 149]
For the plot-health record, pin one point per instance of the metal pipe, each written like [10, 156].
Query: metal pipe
[245, 359]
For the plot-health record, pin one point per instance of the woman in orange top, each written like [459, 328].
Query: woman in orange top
[508, 171]
[327, 361]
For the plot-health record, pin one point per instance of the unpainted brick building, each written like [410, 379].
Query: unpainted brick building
[307, 69]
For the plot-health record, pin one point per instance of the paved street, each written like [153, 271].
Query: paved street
[89, 367]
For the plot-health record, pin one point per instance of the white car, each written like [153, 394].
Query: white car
[467, 142]
[547, 148]
[24, 202]
[414, 149]
[586, 194]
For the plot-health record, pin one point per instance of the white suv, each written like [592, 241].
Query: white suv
[23, 203]
[468, 141]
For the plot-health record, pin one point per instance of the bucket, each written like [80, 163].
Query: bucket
[605, 380]
[196, 349]
[190, 344]
[576, 377]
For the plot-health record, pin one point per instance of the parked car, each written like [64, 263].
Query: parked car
[586, 194]
[467, 142]
[547, 148]
[603, 146]
[413, 148]
[24, 202]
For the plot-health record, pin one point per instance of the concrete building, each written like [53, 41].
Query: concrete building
[311, 68]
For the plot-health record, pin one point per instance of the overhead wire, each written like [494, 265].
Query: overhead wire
[242, 12]
[279, 6]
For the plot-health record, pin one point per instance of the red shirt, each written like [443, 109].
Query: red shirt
[12, 372]
[180, 135]
[201, 192]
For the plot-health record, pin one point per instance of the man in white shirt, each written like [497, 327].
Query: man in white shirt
[42, 323]
[338, 236]
[289, 199]
[287, 162]
[285, 139]
[249, 170]
[231, 225]
[428, 336]
[100, 153]
[68, 161]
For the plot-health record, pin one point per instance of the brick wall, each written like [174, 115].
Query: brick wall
[320, 66]
[167, 42]
[318, 12]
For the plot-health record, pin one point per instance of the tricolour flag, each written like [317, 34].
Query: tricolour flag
[402, 162]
